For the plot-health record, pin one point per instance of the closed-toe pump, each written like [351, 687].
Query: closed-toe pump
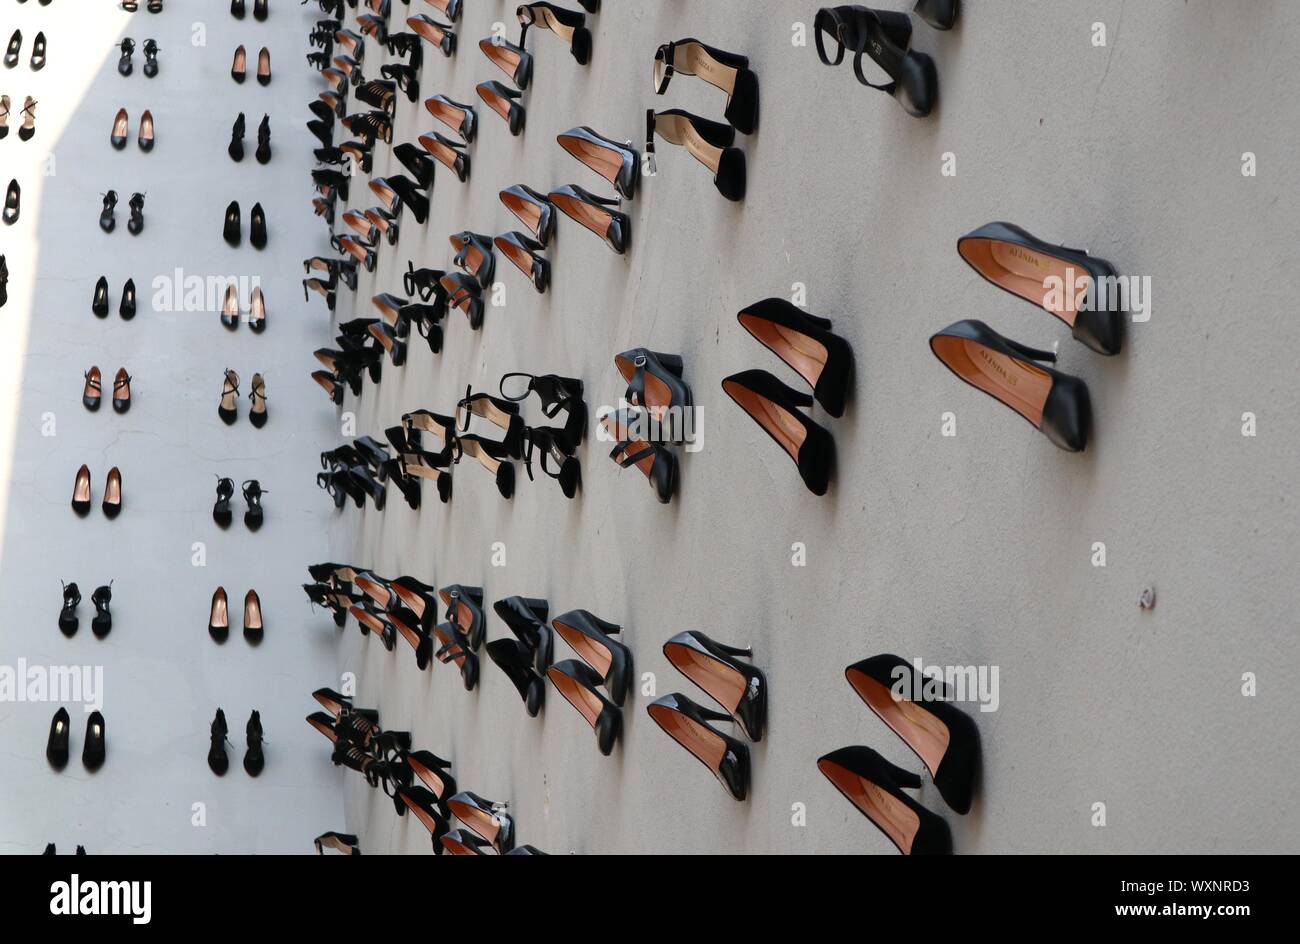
[589, 636]
[91, 394]
[121, 391]
[121, 125]
[81, 491]
[775, 407]
[231, 230]
[618, 163]
[254, 628]
[146, 136]
[99, 303]
[597, 214]
[56, 747]
[739, 688]
[219, 615]
[527, 619]
[875, 787]
[505, 102]
[806, 343]
[577, 682]
[257, 227]
[486, 819]
[126, 307]
[94, 748]
[515, 659]
[688, 724]
[239, 66]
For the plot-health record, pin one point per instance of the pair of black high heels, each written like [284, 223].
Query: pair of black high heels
[555, 447]
[495, 455]
[919, 710]
[489, 827]
[131, 6]
[620, 164]
[92, 393]
[335, 270]
[228, 406]
[332, 589]
[230, 312]
[219, 617]
[254, 514]
[524, 659]
[342, 843]
[102, 622]
[112, 503]
[661, 414]
[823, 359]
[359, 354]
[261, 9]
[108, 215]
[738, 687]
[28, 128]
[239, 66]
[1054, 278]
[13, 51]
[886, 37]
[357, 471]
[93, 749]
[404, 607]
[125, 308]
[605, 663]
[119, 136]
[236, 148]
[536, 212]
[125, 66]
[51, 849]
[232, 228]
[254, 753]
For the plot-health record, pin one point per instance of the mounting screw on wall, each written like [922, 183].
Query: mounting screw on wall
[1147, 600]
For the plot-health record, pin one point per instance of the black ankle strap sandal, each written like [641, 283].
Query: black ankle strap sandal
[656, 462]
[463, 292]
[885, 36]
[724, 70]
[474, 254]
[569, 25]
[654, 381]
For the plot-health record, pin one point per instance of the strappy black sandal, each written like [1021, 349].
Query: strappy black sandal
[531, 208]
[451, 154]
[724, 70]
[524, 252]
[424, 283]
[885, 36]
[555, 456]
[654, 381]
[656, 462]
[463, 292]
[775, 407]
[709, 142]
[557, 394]
[620, 164]
[492, 456]
[459, 118]
[569, 25]
[1055, 404]
[503, 414]
[596, 214]
[504, 102]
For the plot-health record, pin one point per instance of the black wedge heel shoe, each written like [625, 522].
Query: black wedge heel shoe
[775, 407]
[724, 70]
[56, 747]
[221, 512]
[68, 620]
[102, 623]
[709, 142]
[569, 25]
[578, 683]
[514, 658]
[589, 636]
[739, 688]
[688, 724]
[505, 102]
[1051, 277]
[596, 214]
[875, 787]
[618, 163]
[885, 36]
[253, 515]
[486, 819]
[526, 618]
[806, 344]
[1055, 404]
[942, 735]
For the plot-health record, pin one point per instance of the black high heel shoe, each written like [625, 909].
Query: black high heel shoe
[1055, 404]
[525, 253]
[569, 25]
[885, 36]
[451, 154]
[254, 758]
[739, 688]
[257, 227]
[237, 9]
[254, 628]
[465, 611]
[515, 660]
[620, 164]
[417, 162]
[37, 62]
[227, 409]
[102, 623]
[596, 214]
[942, 735]
[555, 457]
[435, 773]
[221, 512]
[589, 636]
[263, 152]
[656, 462]
[81, 491]
[486, 819]
[875, 787]
[257, 414]
[107, 219]
[459, 118]
[135, 225]
[343, 843]
[526, 618]
[578, 682]
[92, 393]
[257, 312]
[218, 761]
[150, 58]
[13, 203]
[688, 724]
[775, 407]
[56, 747]
[531, 208]
[514, 61]
[463, 292]
[230, 308]
[99, 303]
[654, 381]
[94, 746]
[121, 391]
[804, 342]
[124, 65]
[500, 413]
[505, 102]
[724, 70]
[941, 14]
[253, 514]
[28, 129]
[492, 456]
[219, 615]
[232, 229]
[398, 192]
[260, 10]
[454, 649]
[68, 621]
[439, 35]
[474, 255]
[709, 142]
[424, 806]
[126, 307]
[1049, 276]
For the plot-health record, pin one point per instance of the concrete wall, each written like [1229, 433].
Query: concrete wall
[163, 676]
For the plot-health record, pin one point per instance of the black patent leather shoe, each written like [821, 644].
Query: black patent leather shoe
[875, 787]
[688, 724]
[739, 688]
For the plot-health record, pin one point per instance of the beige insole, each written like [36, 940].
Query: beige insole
[801, 352]
[923, 732]
[113, 488]
[1023, 272]
[264, 63]
[121, 125]
[257, 306]
[428, 424]
[693, 60]
[528, 213]
[592, 653]
[231, 306]
[81, 491]
[549, 20]
[220, 612]
[894, 818]
[602, 160]
[449, 116]
[1020, 386]
[723, 683]
[704, 744]
[579, 697]
[677, 130]
[241, 60]
[475, 450]
[252, 613]
[787, 430]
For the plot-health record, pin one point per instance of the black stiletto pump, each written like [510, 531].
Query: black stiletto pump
[515, 660]
[37, 62]
[13, 203]
[578, 682]
[804, 342]
[126, 307]
[254, 758]
[232, 230]
[417, 162]
[107, 218]
[724, 70]
[875, 787]
[618, 163]
[257, 227]
[688, 724]
[1055, 404]
[253, 493]
[435, 773]
[486, 819]
[596, 214]
[221, 512]
[423, 805]
[589, 636]
[459, 118]
[99, 303]
[56, 748]
[531, 208]
[775, 407]
[68, 620]
[219, 615]
[739, 688]
[942, 735]
[514, 61]
[13, 50]
[236, 148]
[102, 623]
[253, 625]
[93, 749]
[217, 731]
[505, 102]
